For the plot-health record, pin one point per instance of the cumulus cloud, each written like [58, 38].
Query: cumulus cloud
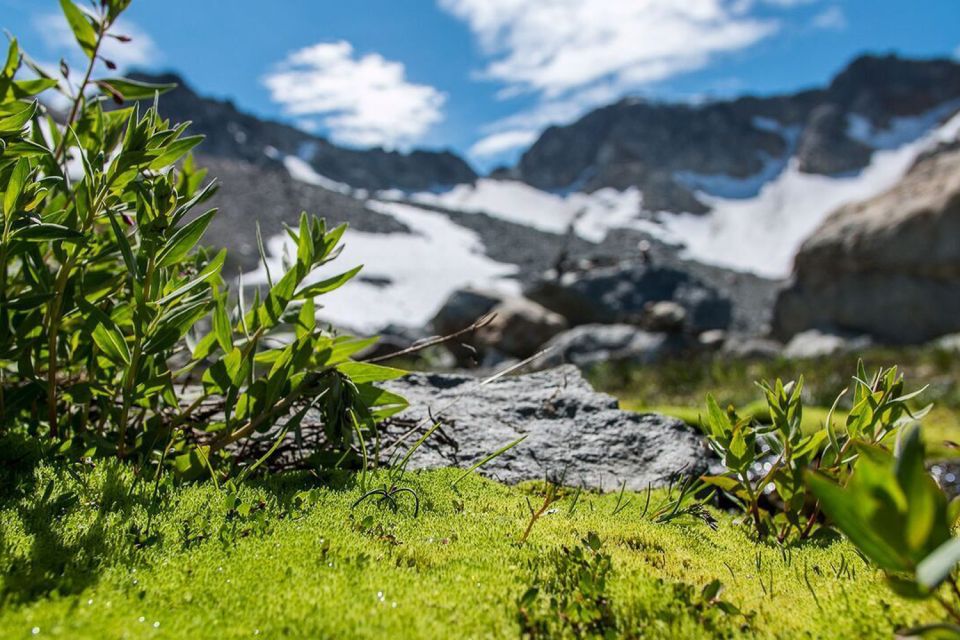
[556, 46]
[498, 143]
[57, 37]
[831, 18]
[574, 55]
[362, 100]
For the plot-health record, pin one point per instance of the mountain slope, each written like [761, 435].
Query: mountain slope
[237, 135]
[669, 151]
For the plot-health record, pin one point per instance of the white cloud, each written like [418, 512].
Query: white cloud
[58, 39]
[362, 100]
[831, 18]
[553, 47]
[498, 143]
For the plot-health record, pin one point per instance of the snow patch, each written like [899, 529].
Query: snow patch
[410, 274]
[763, 234]
[591, 214]
[899, 131]
[300, 170]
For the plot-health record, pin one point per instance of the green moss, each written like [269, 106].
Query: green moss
[78, 561]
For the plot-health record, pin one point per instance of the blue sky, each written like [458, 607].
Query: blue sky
[483, 77]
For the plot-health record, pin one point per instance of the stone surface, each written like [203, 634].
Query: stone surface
[888, 267]
[622, 294]
[665, 315]
[814, 343]
[462, 308]
[591, 344]
[520, 327]
[568, 426]
[750, 348]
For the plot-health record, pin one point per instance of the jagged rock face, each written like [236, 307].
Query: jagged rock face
[236, 135]
[635, 143]
[888, 267]
[826, 148]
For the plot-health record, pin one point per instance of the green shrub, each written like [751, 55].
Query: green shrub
[775, 495]
[105, 290]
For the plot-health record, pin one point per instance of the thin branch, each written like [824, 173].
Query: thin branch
[431, 342]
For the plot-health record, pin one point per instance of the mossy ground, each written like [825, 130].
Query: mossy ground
[90, 552]
[77, 561]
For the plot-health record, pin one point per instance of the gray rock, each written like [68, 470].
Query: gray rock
[622, 293]
[462, 308]
[818, 344]
[949, 342]
[567, 425]
[665, 315]
[751, 348]
[888, 267]
[520, 327]
[712, 340]
[591, 344]
[825, 147]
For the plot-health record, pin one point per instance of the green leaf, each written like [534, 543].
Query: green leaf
[328, 285]
[79, 23]
[136, 90]
[15, 122]
[45, 232]
[926, 525]
[361, 372]
[18, 178]
[184, 240]
[936, 567]
[842, 507]
[174, 151]
[124, 243]
[221, 326]
[110, 340]
[208, 272]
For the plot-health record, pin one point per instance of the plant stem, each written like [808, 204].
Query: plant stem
[53, 311]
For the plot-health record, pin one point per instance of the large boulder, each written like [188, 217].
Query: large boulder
[888, 267]
[463, 308]
[568, 427]
[625, 293]
[519, 327]
[591, 344]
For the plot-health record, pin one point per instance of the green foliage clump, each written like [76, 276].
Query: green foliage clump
[109, 304]
[774, 494]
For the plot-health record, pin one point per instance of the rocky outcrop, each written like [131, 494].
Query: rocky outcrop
[626, 293]
[826, 148]
[654, 146]
[888, 267]
[236, 135]
[568, 426]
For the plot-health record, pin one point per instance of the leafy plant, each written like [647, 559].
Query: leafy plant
[572, 597]
[766, 463]
[105, 290]
[897, 516]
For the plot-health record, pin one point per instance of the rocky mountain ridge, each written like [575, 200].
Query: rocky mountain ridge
[670, 151]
